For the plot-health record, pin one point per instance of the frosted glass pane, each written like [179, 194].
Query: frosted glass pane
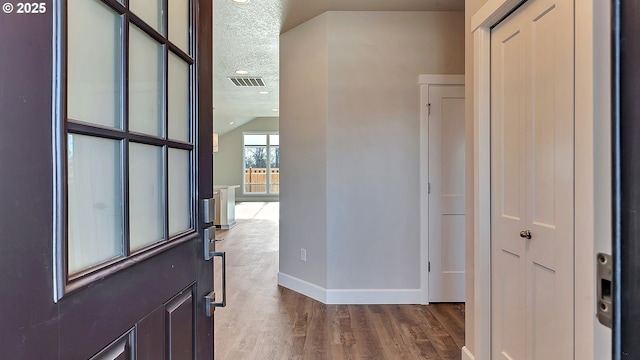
[145, 83]
[178, 97]
[94, 201]
[179, 24]
[148, 10]
[94, 63]
[146, 209]
[179, 191]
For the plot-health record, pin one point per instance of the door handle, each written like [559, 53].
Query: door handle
[526, 234]
[210, 299]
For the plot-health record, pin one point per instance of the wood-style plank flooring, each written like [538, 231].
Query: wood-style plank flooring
[265, 321]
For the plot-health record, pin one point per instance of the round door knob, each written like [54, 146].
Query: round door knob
[526, 234]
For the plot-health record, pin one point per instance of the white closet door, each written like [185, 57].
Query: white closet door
[446, 199]
[532, 182]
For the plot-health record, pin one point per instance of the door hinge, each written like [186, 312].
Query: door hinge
[429, 188]
[429, 109]
[429, 266]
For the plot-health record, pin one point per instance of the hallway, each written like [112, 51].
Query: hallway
[265, 321]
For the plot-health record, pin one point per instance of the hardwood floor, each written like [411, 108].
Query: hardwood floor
[265, 321]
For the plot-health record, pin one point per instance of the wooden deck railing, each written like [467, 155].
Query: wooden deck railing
[255, 180]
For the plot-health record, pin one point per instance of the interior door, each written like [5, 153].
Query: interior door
[446, 193]
[532, 182]
[105, 151]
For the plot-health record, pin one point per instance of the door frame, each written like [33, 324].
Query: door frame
[592, 193]
[427, 79]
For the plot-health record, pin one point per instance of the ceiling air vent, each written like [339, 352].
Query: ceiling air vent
[246, 81]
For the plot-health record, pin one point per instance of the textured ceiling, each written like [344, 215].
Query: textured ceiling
[246, 37]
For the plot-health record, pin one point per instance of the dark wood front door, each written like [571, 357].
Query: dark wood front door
[626, 180]
[105, 154]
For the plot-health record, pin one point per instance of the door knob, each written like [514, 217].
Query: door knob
[526, 234]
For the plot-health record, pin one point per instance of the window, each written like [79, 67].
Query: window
[128, 134]
[261, 163]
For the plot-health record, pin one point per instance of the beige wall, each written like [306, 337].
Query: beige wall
[349, 88]
[228, 160]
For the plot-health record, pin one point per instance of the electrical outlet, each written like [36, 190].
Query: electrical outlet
[303, 254]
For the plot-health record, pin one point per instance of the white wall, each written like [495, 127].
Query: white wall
[228, 160]
[373, 140]
[303, 128]
[370, 141]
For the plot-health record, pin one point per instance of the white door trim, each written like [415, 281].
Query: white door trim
[427, 79]
[592, 164]
[482, 182]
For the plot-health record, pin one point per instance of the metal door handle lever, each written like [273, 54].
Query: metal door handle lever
[210, 299]
[526, 234]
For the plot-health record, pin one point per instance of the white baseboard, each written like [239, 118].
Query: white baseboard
[373, 296]
[303, 287]
[466, 354]
[350, 296]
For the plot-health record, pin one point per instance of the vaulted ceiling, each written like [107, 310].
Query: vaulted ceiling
[246, 37]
